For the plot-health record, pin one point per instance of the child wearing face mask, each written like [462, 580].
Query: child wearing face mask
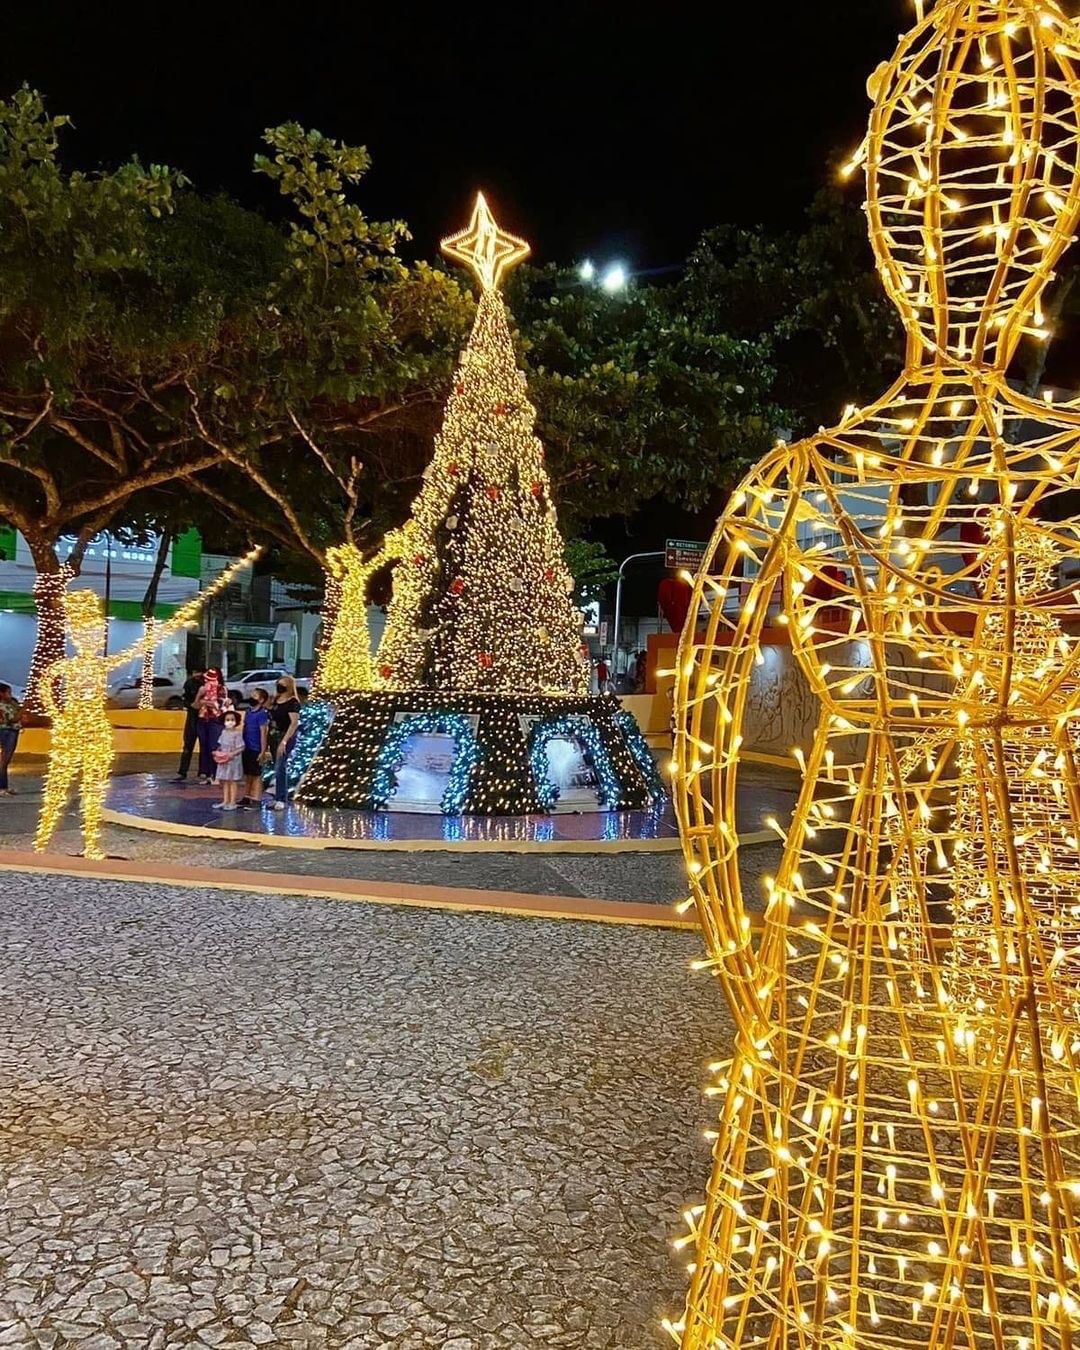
[227, 757]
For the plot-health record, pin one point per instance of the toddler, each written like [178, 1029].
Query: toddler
[230, 771]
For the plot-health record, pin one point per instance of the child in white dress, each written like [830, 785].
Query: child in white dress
[227, 757]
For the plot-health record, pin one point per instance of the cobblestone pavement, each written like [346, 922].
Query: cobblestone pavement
[237, 1121]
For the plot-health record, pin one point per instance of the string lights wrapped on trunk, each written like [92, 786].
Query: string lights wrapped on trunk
[482, 648]
[897, 1159]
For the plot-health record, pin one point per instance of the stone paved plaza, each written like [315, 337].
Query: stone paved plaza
[244, 1121]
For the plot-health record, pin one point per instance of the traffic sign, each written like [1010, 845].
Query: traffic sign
[684, 553]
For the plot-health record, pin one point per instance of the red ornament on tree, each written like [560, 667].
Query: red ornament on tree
[501, 409]
[452, 468]
[386, 671]
[419, 559]
[536, 488]
[549, 574]
[457, 586]
[494, 492]
[485, 659]
[459, 388]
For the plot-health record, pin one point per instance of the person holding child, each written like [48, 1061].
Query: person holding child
[211, 702]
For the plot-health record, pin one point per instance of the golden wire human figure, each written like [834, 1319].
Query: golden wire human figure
[897, 1159]
[81, 740]
[347, 661]
[80, 745]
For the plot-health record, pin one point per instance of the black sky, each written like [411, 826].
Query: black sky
[598, 129]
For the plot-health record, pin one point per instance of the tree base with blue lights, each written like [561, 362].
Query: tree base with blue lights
[480, 754]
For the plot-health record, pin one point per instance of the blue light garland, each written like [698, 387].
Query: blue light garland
[391, 756]
[314, 722]
[572, 728]
[643, 756]
[315, 718]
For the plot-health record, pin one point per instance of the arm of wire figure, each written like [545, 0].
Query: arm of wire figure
[735, 589]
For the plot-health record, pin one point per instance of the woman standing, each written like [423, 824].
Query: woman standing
[211, 703]
[10, 722]
[285, 715]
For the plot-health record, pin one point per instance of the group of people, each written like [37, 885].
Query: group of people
[235, 747]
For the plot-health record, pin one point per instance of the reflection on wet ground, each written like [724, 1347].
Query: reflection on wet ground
[154, 797]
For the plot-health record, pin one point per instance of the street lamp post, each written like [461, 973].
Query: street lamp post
[634, 557]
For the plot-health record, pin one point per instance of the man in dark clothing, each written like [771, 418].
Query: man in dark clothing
[192, 685]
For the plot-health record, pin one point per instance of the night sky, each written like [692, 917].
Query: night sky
[597, 130]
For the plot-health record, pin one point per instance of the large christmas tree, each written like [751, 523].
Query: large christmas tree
[481, 703]
[482, 597]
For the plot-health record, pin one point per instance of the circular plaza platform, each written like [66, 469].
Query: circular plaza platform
[153, 802]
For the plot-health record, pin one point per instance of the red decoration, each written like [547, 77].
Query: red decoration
[827, 584]
[386, 671]
[459, 388]
[501, 409]
[486, 660]
[536, 488]
[494, 492]
[457, 586]
[452, 468]
[419, 559]
[674, 596]
[973, 532]
[549, 574]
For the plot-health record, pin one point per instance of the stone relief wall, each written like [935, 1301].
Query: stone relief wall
[781, 710]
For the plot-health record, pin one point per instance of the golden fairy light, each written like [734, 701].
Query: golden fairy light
[482, 597]
[897, 1158]
[483, 642]
[49, 588]
[80, 745]
[345, 662]
[489, 251]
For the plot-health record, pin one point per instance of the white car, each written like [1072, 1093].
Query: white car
[243, 685]
[166, 693]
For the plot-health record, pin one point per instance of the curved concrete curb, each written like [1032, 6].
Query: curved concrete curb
[459, 899]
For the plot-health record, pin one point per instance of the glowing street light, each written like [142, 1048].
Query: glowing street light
[614, 279]
[586, 271]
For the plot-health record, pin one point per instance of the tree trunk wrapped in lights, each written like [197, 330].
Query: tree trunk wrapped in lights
[146, 674]
[897, 1160]
[482, 646]
[49, 589]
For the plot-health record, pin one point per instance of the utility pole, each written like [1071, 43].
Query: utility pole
[634, 557]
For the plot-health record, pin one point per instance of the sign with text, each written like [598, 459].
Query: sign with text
[684, 553]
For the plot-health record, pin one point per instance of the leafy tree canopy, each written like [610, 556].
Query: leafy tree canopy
[591, 566]
[635, 397]
[813, 296]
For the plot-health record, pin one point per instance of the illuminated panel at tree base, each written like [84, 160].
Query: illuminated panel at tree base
[481, 754]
